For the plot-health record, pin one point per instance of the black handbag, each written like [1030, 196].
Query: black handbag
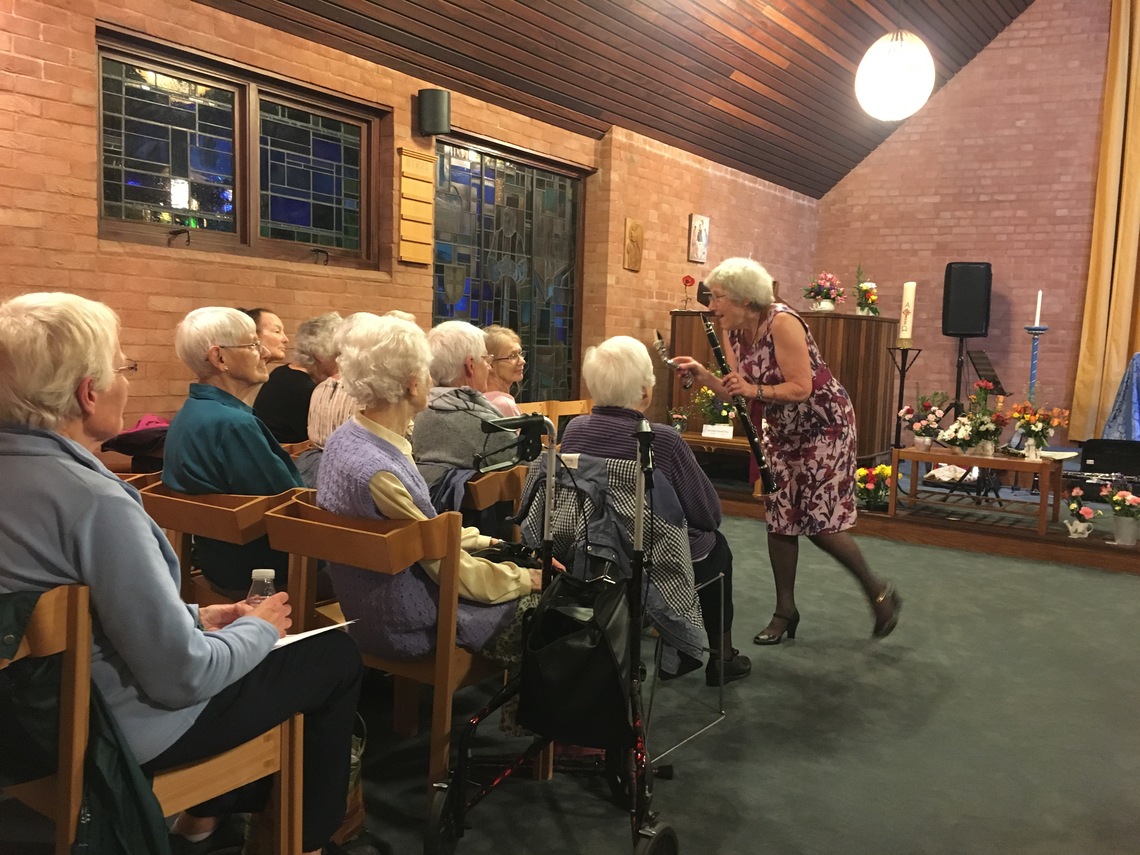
[575, 664]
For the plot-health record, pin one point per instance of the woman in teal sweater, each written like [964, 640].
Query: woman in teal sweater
[216, 444]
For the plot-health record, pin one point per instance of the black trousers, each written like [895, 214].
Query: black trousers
[719, 560]
[319, 677]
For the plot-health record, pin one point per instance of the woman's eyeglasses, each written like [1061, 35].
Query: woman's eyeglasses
[131, 368]
[511, 357]
[261, 348]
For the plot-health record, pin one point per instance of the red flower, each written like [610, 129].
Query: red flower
[689, 281]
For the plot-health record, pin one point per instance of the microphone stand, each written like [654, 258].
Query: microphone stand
[767, 480]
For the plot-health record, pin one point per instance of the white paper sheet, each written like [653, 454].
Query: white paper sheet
[289, 639]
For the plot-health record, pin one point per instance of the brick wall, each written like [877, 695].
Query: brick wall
[1015, 188]
[999, 166]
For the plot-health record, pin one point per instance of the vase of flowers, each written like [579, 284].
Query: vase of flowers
[924, 420]
[824, 292]
[986, 425]
[866, 293]
[1037, 425]
[688, 282]
[1125, 515]
[959, 435]
[718, 415]
[873, 487]
[679, 418]
[1079, 523]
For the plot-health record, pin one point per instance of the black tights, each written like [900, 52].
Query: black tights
[784, 553]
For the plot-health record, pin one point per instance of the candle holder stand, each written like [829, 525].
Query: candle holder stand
[1036, 331]
[903, 358]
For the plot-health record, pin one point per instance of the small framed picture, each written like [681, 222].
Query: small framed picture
[698, 238]
[634, 244]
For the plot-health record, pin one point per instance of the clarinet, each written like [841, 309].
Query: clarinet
[767, 481]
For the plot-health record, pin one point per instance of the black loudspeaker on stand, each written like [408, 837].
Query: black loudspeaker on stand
[434, 111]
[966, 310]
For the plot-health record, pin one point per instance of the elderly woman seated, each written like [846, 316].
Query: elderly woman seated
[367, 471]
[183, 683]
[448, 434]
[619, 374]
[283, 402]
[217, 445]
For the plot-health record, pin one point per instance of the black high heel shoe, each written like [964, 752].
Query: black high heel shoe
[790, 624]
[885, 626]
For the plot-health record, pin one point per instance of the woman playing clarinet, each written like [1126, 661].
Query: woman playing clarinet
[809, 438]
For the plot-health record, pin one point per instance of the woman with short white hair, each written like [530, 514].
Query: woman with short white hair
[619, 374]
[367, 471]
[283, 402]
[216, 444]
[182, 682]
[810, 437]
[448, 435]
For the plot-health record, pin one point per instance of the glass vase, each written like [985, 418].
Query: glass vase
[1032, 452]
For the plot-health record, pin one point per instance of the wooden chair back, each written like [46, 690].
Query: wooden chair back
[302, 529]
[542, 407]
[294, 449]
[61, 623]
[220, 516]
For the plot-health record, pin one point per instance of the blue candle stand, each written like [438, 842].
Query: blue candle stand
[1036, 332]
[903, 358]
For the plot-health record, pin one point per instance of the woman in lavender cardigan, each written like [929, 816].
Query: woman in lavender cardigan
[367, 471]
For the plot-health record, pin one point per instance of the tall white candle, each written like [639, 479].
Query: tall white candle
[1037, 317]
[906, 325]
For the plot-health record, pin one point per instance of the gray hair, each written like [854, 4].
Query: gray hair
[380, 356]
[618, 371]
[744, 281]
[451, 343]
[203, 328]
[49, 342]
[500, 338]
[314, 340]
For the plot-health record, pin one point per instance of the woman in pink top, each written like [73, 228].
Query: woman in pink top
[505, 349]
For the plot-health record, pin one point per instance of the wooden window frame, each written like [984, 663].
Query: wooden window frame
[250, 86]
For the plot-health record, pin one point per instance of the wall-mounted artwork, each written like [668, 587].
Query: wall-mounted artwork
[634, 244]
[698, 238]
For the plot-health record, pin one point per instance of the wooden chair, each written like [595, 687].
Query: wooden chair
[490, 488]
[140, 479]
[221, 516]
[302, 529]
[294, 449]
[542, 407]
[61, 623]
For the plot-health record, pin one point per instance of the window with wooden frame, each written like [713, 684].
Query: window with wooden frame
[229, 159]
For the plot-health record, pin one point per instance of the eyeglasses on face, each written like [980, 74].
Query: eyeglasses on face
[261, 348]
[517, 356]
[131, 368]
[488, 359]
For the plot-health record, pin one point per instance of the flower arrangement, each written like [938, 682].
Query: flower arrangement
[872, 486]
[1075, 499]
[1124, 503]
[866, 293]
[824, 287]
[986, 424]
[1037, 423]
[959, 434]
[713, 409]
[925, 420]
[679, 416]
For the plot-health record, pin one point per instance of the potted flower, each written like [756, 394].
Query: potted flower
[1125, 515]
[717, 414]
[925, 421]
[1037, 425]
[824, 292]
[1079, 523]
[873, 487]
[959, 435]
[866, 293]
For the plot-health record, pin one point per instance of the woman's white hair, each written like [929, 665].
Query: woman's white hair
[380, 357]
[48, 343]
[451, 343]
[744, 281]
[203, 328]
[618, 371]
[314, 341]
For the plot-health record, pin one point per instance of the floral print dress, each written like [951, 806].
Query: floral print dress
[810, 445]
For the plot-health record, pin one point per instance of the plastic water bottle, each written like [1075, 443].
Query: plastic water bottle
[261, 587]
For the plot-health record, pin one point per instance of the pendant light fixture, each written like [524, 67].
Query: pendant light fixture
[896, 75]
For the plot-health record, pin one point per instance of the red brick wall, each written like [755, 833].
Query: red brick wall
[1015, 189]
[999, 166]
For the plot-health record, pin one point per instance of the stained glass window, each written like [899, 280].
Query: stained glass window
[505, 253]
[310, 177]
[168, 148]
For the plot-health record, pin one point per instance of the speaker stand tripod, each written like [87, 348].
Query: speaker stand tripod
[956, 405]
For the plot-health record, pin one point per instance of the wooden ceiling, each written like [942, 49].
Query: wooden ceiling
[763, 86]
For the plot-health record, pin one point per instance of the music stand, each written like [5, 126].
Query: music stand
[985, 370]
